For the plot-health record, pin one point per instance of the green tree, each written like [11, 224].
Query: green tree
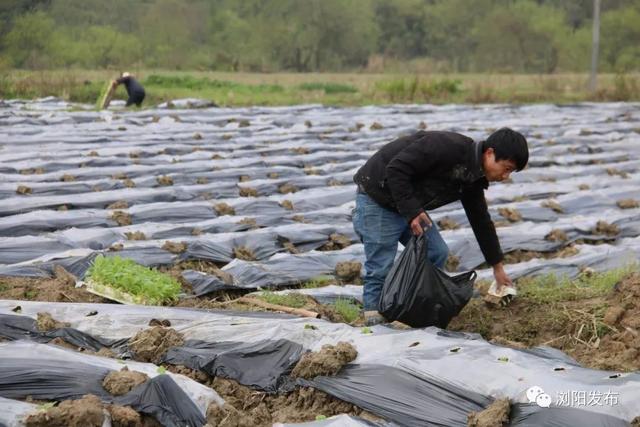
[28, 41]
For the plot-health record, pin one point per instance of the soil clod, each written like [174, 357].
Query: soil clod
[328, 361]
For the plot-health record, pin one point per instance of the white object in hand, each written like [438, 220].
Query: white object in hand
[504, 291]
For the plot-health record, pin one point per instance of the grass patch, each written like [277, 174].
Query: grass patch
[347, 309]
[551, 288]
[294, 300]
[142, 282]
[195, 83]
[335, 89]
[419, 89]
[318, 282]
[328, 87]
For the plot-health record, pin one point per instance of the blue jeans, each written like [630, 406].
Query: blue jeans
[380, 230]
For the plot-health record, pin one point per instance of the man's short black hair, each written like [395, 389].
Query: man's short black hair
[508, 144]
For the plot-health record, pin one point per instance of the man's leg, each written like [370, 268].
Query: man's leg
[379, 230]
[437, 249]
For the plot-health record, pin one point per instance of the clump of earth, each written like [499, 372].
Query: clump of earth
[248, 192]
[627, 203]
[45, 322]
[336, 242]
[123, 381]
[553, 205]
[603, 227]
[495, 415]
[224, 209]
[150, 345]
[348, 271]
[511, 214]
[556, 235]
[174, 247]
[120, 204]
[287, 188]
[244, 253]
[328, 361]
[447, 223]
[121, 217]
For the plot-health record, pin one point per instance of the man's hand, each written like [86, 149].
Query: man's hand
[114, 83]
[502, 279]
[418, 221]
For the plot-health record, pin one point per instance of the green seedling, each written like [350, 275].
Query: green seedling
[148, 286]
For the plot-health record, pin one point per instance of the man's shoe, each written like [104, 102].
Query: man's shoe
[372, 318]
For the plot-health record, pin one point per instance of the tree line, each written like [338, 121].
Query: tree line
[517, 36]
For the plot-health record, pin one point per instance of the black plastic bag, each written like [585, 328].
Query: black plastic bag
[419, 294]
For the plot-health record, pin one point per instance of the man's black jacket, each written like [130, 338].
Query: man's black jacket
[427, 170]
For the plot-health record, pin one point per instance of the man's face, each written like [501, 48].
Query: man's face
[496, 170]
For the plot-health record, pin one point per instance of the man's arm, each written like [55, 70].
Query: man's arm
[475, 206]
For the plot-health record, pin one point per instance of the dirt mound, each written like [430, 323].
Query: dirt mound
[23, 189]
[174, 247]
[556, 235]
[203, 266]
[447, 223]
[85, 412]
[164, 180]
[511, 214]
[452, 264]
[290, 247]
[125, 416]
[67, 178]
[376, 126]
[287, 188]
[300, 150]
[151, 344]
[348, 272]
[128, 183]
[135, 235]
[120, 204]
[583, 187]
[627, 203]
[121, 217]
[122, 382]
[287, 204]
[244, 407]
[45, 322]
[251, 222]
[299, 218]
[336, 242]
[61, 288]
[224, 209]
[599, 332]
[248, 192]
[614, 171]
[603, 227]
[328, 361]
[244, 178]
[242, 252]
[32, 171]
[553, 205]
[202, 180]
[496, 415]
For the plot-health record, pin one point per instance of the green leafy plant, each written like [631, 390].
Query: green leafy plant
[347, 309]
[146, 285]
[293, 299]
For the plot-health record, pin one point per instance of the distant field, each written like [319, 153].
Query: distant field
[241, 89]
